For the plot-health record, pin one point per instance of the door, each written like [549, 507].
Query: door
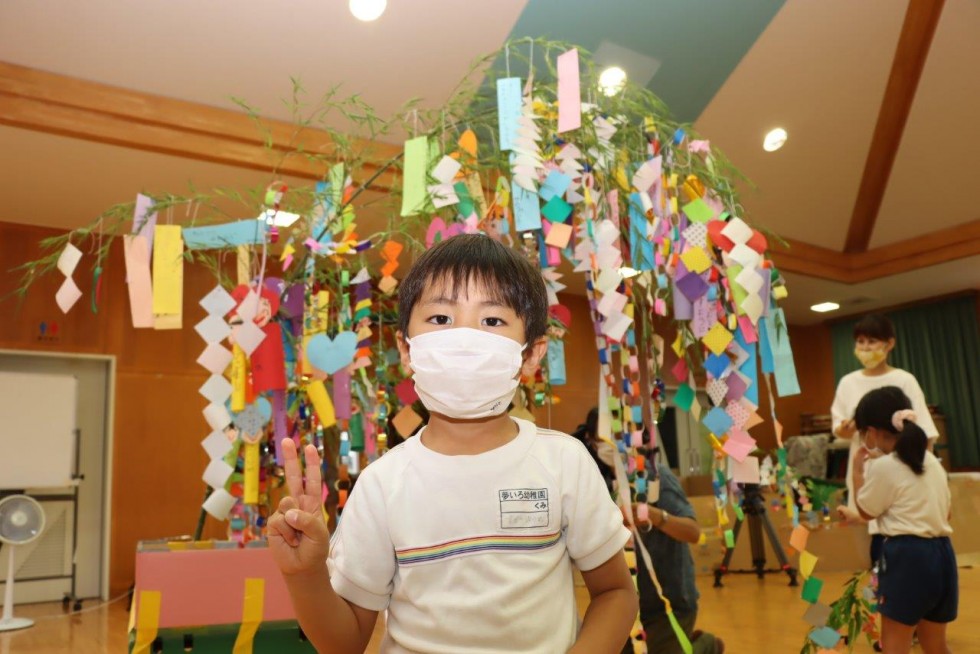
[43, 564]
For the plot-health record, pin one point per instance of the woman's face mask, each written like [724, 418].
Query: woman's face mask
[871, 352]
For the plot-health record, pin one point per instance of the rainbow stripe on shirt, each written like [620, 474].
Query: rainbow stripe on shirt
[495, 543]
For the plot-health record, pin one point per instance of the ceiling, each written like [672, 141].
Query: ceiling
[735, 69]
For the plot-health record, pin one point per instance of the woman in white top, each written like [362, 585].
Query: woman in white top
[905, 490]
[874, 339]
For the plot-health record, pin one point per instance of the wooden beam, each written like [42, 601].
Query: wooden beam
[950, 244]
[812, 261]
[921, 19]
[37, 100]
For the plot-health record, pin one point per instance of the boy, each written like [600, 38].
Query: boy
[466, 533]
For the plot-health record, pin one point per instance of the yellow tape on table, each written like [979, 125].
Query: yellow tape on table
[251, 473]
[252, 608]
[147, 621]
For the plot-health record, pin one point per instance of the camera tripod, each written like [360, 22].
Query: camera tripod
[754, 509]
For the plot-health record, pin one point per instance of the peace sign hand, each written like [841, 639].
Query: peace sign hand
[298, 534]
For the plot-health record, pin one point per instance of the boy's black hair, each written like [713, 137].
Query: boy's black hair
[876, 409]
[876, 326]
[506, 276]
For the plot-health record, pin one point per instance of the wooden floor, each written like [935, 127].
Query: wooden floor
[750, 615]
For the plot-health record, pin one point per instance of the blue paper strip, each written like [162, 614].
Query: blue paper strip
[786, 381]
[556, 362]
[527, 209]
[212, 237]
[508, 110]
[765, 349]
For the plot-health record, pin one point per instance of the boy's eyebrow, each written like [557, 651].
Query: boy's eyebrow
[444, 299]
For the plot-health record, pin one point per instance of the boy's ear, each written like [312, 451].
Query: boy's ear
[889, 345]
[535, 353]
[403, 350]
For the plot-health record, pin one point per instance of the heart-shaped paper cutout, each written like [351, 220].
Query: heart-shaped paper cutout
[261, 404]
[330, 355]
[438, 231]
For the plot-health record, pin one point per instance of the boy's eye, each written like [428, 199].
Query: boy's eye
[440, 320]
[494, 322]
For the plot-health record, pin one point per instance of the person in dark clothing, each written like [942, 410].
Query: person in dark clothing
[588, 433]
[666, 533]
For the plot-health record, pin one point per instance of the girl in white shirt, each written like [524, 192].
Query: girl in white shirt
[874, 339]
[905, 490]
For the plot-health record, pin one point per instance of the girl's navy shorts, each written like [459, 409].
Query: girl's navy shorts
[917, 580]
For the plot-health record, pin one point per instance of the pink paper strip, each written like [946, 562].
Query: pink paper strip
[137, 254]
[341, 394]
[569, 92]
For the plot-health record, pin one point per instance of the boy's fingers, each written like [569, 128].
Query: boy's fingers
[278, 525]
[290, 464]
[313, 481]
[309, 524]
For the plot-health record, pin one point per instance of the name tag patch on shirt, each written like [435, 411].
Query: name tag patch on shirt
[523, 507]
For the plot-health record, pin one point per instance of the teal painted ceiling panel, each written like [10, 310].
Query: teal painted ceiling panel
[698, 43]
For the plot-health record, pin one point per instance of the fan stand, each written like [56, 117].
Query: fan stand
[8, 622]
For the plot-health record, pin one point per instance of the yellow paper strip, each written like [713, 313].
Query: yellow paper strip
[168, 270]
[322, 403]
[252, 609]
[147, 621]
[239, 375]
[244, 264]
[251, 473]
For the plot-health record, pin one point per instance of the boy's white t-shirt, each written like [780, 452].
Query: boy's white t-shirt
[474, 553]
[907, 503]
[852, 387]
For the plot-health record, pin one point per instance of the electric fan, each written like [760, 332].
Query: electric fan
[21, 521]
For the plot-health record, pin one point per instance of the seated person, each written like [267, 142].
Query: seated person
[670, 526]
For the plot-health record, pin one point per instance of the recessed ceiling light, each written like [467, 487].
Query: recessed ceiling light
[280, 218]
[824, 307]
[774, 139]
[612, 80]
[367, 10]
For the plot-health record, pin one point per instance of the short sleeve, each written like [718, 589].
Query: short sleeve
[922, 416]
[362, 558]
[672, 497]
[593, 524]
[877, 494]
[840, 411]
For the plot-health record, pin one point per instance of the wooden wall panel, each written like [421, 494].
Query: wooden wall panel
[581, 390]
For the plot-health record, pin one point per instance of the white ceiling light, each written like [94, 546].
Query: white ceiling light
[774, 139]
[824, 307]
[280, 218]
[612, 80]
[367, 10]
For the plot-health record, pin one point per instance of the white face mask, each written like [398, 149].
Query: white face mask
[465, 373]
